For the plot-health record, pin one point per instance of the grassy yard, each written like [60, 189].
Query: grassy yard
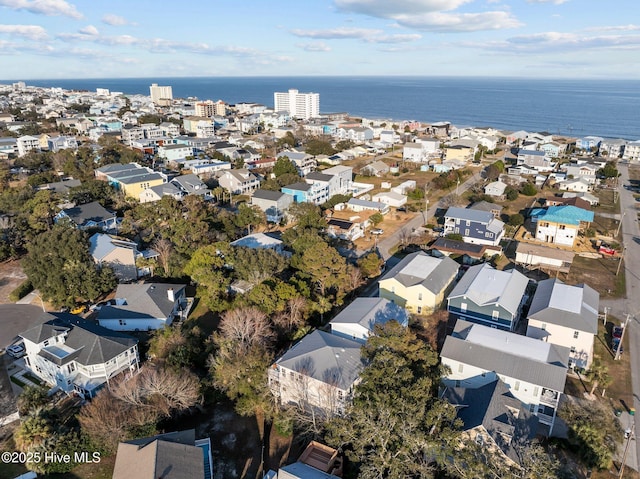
[607, 204]
[600, 274]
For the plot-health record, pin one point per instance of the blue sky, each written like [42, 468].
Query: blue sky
[41, 39]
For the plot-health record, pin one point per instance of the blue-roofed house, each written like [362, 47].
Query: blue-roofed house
[560, 224]
[316, 193]
[488, 296]
[475, 226]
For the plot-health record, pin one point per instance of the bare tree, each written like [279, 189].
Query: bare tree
[164, 248]
[450, 200]
[294, 314]
[243, 328]
[355, 277]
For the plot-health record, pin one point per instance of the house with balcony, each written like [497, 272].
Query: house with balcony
[175, 152]
[588, 143]
[535, 160]
[239, 182]
[565, 315]
[58, 143]
[89, 215]
[419, 282]
[77, 356]
[132, 179]
[583, 172]
[343, 179]
[318, 373]
[535, 372]
[156, 193]
[145, 307]
[303, 162]
[475, 226]
[533, 255]
[489, 296]
[316, 192]
[632, 151]
[357, 321]
[343, 229]
[165, 456]
[274, 203]
[493, 418]
[612, 148]
[192, 185]
[560, 224]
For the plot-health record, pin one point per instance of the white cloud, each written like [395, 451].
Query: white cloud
[44, 7]
[614, 28]
[545, 42]
[365, 34]
[431, 15]
[314, 47]
[32, 32]
[555, 2]
[114, 20]
[89, 30]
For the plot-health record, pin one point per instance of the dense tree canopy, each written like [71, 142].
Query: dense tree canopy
[58, 264]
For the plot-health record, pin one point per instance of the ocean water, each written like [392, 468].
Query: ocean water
[608, 108]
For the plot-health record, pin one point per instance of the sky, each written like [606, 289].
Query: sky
[54, 39]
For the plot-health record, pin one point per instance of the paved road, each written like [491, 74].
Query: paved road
[386, 244]
[630, 305]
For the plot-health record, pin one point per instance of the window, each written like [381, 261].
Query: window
[419, 309]
[576, 334]
[517, 386]
[457, 384]
[463, 306]
[122, 322]
[466, 232]
[393, 289]
[495, 314]
[46, 343]
[460, 367]
[573, 349]
[484, 374]
[544, 326]
[419, 296]
[562, 227]
[532, 408]
[536, 389]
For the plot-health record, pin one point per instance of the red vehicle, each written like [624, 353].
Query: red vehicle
[608, 250]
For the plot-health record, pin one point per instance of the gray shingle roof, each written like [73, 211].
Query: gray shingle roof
[420, 268]
[315, 175]
[492, 406]
[485, 285]
[100, 245]
[368, 312]
[268, 195]
[93, 211]
[574, 307]
[143, 301]
[469, 214]
[325, 357]
[508, 354]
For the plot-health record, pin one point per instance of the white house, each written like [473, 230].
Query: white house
[357, 320]
[390, 198]
[584, 172]
[579, 185]
[144, 307]
[495, 188]
[566, 315]
[77, 356]
[534, 371]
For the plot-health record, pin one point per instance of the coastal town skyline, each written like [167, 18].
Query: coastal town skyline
[535, 39]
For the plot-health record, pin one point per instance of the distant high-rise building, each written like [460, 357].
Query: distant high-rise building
[299, 105]
[159, 93]
[205, 108]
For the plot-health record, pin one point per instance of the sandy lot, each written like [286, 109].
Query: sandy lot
[11, 275]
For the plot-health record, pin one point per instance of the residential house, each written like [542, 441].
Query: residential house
[132, 179]
[553, 149]
[343, 229]
[534, 159]
[461, 153]
[517, 137]
[588, 143]
[318, 461]
[303, 162]
[89, 215]
[273, 203]
[467, 253]
[584, 172]
[495, 188]
[119, 254]
[390, 198]
[324, 182]
[419, 282]
[493, 208]
[404, 187]
[173, 455]
[531, 255]
[175, 152]
[260, 241]
[578, 185]
[612, 148]
[377, 168]
[60, 187]
[26, 144]
[239, 182]
[156, 193]
[358, 319]
[144, 307]
[489, 296]
[76, 355]
[192, 185]
[58, 143]
[316, 192]
[343, 182]
[560, 224]
[413, 152]
[632, 151]
[493, 418]
[474, 226]
[574, 200]
[358, 205]
[358, 134]
[318, 373]
[534, 371]
[585, 197]
[567, 316]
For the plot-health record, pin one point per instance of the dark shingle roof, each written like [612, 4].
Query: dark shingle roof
[268, 195]
[143, 301]
[93, 211]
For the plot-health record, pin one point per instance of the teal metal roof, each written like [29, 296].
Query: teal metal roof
[567, 214]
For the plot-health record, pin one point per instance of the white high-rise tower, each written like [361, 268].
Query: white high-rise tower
[160, 93]
[299, 105]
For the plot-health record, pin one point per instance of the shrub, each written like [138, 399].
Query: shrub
[454, 236]
[529, 189]
[511, 193]
[516, 219]
[21, 291]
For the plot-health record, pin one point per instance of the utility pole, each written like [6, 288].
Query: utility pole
[620, 223]
[624, 330]
[620, 262]
[632, 413]
[604, 322]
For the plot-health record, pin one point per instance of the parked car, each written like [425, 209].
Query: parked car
[98, 306]
[401, 209]
[16, 350]
[377, 231]
[79, 309]
[438, 229]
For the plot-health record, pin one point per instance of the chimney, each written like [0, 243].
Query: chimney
[170, 295]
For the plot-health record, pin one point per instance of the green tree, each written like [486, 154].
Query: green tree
[529, 189]
[58, 263]
[376, 219]
[287, 141]
[516, 219]
[307, 215]
[323, 266]
[207, 268]
[256, 264]
[92, 190]
[284, 166]
[31, 399]
[598, 374]
[344, 145]
[397, 425]
[491, 172]
[370, 265]
[319, 147]
[609, 170]
[511, 193]
[248, 216]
